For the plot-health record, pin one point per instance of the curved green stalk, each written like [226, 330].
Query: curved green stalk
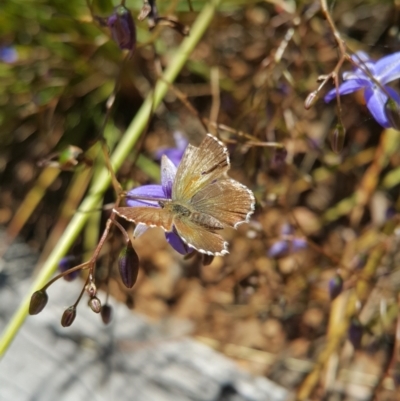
[103, 180]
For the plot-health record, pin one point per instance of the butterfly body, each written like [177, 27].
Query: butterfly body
[182, 212]
[203, 199]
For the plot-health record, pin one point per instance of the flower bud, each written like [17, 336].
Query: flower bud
[355, 332]
[65, 264]
[278, 160]
[311, 99]
[95, 304]
[207, 259]
[38, 302]
[337, 138]
[122, 28]
[106, 313]
[392, 110]
[128, 264]
[335, 286]
[68, 316]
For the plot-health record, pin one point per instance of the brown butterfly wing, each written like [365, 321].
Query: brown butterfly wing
[151, 216]
[199, 167]
[204, 241]
[227, 200]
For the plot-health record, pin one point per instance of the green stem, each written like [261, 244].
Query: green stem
[102, 182]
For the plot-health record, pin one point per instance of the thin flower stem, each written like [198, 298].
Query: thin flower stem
[69, 271]
[102, 181]
[123, 231]
[343, 56]
[83, 291]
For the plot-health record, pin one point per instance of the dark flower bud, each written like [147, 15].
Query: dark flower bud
[355, 332]
[68, 316]
[95, 304]
[122, 28]
[396, 373]
[65, 264]
[278, 160]
[337, 138]
[106, 313]
[335, 286]
[128, 264]
[311, 99]
[392, 111]
[38, 302]
[207, 259]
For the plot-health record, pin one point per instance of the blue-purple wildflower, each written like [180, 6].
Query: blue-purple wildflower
[385, 70]
[174, 154]
[8, 54]
[122, 27]
[287, 243]
[163, 191]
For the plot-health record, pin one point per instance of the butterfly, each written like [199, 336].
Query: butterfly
[203, 199]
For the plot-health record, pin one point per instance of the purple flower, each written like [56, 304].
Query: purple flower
[385, 70]
[122, 27]
[163, 191]
[287, 243]
[8, 54]
[67, 263]
[174, 154]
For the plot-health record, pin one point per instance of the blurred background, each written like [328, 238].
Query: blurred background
[308, 296]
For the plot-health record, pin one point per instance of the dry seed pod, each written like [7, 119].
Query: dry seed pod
[128, 264]
[311, 99]
[38, 302]
[106, 313]
[337, 138]
[68, 316]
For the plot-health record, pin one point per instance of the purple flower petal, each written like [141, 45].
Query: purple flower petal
[140, 229]
[363, 59]
[174, 154]
[388, 68]
[286, 229]
[176, 242]
[393, 94]
[168, 172]
[180, 140]
[298, 243]
[376, 100]
[8, 54]
[344, 89]
[146, 191]
[278, 249]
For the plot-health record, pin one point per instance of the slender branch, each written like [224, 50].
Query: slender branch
[102, 182]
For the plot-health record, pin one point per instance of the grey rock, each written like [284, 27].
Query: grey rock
[130, 359]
